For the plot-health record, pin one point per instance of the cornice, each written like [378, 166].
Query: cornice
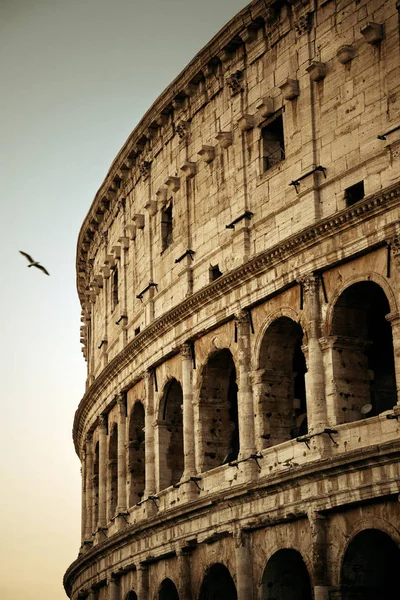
[366, 209]
[379, 454]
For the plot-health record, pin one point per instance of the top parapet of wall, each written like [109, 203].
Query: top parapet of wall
[240, 31]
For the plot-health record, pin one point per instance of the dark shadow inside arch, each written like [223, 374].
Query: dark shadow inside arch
[369, 569]
[168, 591]
[218, 584]
[131, 596]
[113, 470]
[286, 577]
[136, 455]
[362, 354]
[170, 435]
[281, 395]
[96, 486]
[218, 411]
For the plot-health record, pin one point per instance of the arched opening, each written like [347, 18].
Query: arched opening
[113, 471]
[286, 577]
[168, 591]
[96, 487]
[170, 435]
[369, 569]
[281, 390]
[362, 353]
[136, 454]
[131, 596]
[218, 584]
[219, 434]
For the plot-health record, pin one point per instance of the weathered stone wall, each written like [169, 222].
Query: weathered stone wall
[242, 413]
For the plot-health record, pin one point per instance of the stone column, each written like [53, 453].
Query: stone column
[121, 500]
[150, 483]
[102, 472]
[89, 487]
[319, 557]
[394, 320]
[188, 418]
[91, 594]
[315, 380]
[142, 574]
[185, 576]
[83, 496]
[113, 588]
[245, 393]
[244, 571]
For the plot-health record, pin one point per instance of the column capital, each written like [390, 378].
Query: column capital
[242, 317]
[186, 351]
[89, 437]
[394, 243]
[102, 422]
[309, 282]
[393, 318]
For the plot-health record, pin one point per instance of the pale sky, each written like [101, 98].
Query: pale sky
[76, 77]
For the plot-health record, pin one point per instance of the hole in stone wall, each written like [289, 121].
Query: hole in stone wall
[136, 454]
[170, 433]
[273, 144]
[113, 470]
[214, 272]
[286, 577]
[354, 193]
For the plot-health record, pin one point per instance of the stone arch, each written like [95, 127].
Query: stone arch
[113, 470]
[369, 276]
[96, 485]
[131, 596]
[361, 352]
[218, 584]
[286, 577]
[369, 567]
[279, 383]
[218, 411]
[167, 590]
[136, 454]
[170, 434]
[285, 311]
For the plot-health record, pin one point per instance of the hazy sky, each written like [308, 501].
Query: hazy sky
[76, 76]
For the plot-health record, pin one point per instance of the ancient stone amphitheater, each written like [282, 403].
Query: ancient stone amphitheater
[239, 274]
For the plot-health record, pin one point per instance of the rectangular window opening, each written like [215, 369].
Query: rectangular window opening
[354, 193]
[273, 145]
[214, 272]
[166, 227]
[114, 289]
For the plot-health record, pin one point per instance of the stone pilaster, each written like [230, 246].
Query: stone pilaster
[188, 417]
[121, 501]
[315, 379]
[394, 320]
[142, 574]
[102, 426]
[185, 575]
[150, 483]
[113, 588]
[88, 500]
[243, 566]
[318, 526]
[245, 393]
[83, 496]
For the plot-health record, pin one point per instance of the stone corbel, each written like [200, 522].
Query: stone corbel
[246, 122]
[138, 219]
[151, 206]
[266, 107]
[110, 260]
[124, 241]
[249, 34]
[372, 32]
[290, 89]
[162, 120]
[207, 153]
[162, 195]
[110, 195]
[116, 250]
[317, 71]
[345, 54]
[173, 183]
[99, 280]
[104, 204]
[131, 231]
[190, 89]
[224, 138]
[225, 55]
[106, 271]
[189, 168]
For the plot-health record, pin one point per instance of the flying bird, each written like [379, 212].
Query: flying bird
[34, 263]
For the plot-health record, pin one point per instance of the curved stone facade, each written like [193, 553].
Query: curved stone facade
[239, 275]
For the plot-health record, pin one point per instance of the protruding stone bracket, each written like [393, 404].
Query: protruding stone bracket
[131, 230]
[189, 168]
[124, 241]
[207, 153]
[116, 250]
[106, 271]
[345, 54]
[162, 195]
[317, 71]
[225, 138]
[152, 207]
[246, 122]
[290, 89]
[266, 107]
[173, 183]
[373, 33]
[138, 219]
[110, 260]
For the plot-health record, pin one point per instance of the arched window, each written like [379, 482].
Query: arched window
[168, 591]
[280, 391]
[96, 487]
[113, 471]
[362, 353]
[369, 569]
[218, 584]
[170, 435]
[286, 577]
[131, 596]
[136, 458]
[219, 426]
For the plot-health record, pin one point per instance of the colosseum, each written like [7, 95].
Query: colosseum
[239, 276]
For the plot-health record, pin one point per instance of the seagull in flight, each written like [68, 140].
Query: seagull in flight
[34, 263]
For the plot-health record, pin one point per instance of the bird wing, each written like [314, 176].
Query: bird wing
[42, 269]
[27, 256]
